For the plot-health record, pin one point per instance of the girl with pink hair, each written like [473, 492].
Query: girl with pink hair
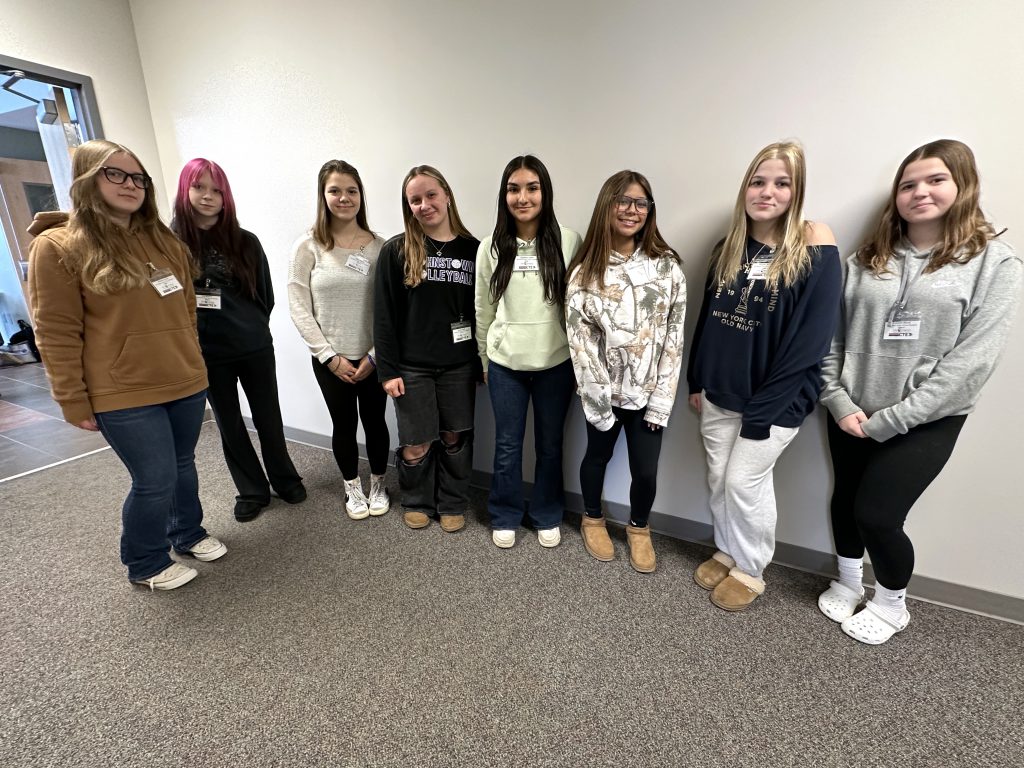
[234, 298]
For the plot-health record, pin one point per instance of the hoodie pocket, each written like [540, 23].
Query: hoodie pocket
[156, 359]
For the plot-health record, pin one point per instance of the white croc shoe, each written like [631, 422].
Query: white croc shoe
[873, 625]
[839, 602]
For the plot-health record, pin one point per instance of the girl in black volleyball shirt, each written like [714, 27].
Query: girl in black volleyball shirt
[426, 355]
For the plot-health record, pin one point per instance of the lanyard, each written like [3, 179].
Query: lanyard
[906, 283]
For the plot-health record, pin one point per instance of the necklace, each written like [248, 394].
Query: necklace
[433, 245]
[352, 243]
[750, 260]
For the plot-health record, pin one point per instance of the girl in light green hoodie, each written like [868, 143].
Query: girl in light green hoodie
[520, 299]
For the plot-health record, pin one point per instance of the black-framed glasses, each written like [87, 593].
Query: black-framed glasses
[623, 203]
[117, 176]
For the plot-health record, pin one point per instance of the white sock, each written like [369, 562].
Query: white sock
[893, 601]
[851, 573]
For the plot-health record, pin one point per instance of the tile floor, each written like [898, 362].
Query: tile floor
[33, 434]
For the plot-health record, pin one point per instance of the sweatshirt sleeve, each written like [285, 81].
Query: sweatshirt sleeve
[300, 300]
[803, 345]
[670, 364]
[485, 309]
[59, 315]
[833, 394]
[957, 378]
[388, 305]
[583, 328]
[264, 284]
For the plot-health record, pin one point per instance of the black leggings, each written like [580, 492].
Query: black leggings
[876, 484]
[342, 398]
[643, 446]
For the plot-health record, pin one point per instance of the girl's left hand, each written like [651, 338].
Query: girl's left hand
[652, 427]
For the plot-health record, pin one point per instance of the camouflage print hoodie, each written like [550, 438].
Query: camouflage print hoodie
[626, 339]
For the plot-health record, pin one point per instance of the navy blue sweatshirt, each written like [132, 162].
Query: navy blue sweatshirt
[241, 327]
[413, 326]
[758, 352]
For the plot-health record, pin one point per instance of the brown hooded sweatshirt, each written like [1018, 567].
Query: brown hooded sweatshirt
[125, 350]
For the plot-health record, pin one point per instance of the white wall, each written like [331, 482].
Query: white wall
[682, 91]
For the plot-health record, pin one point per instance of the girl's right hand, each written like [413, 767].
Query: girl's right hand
[851, 424]
[89, 424]
[342, 368]
[395, 387]
[694, 401]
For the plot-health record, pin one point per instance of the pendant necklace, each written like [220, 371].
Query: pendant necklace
[433, 245]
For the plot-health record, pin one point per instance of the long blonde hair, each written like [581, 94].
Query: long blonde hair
[792, 259]
[98, 250]
[965, 230]
[592, 257]
[414, 251]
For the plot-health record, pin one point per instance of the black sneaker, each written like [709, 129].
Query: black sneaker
[247, 510]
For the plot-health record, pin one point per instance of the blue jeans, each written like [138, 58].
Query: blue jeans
[157, 444]
[552, 391]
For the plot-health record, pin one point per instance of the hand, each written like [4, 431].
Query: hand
[342, 368]
[485, 378]
[395, 387]
[651, 426]
[851, 424]
[89, 424]
[694, 401]
[365, 369]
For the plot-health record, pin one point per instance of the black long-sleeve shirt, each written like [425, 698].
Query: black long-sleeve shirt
[758, 352]
[241, 327]
[413, 326]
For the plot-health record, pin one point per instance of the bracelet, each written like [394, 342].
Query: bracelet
[372, 361]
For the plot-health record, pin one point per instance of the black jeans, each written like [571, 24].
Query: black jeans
[343, 400]
[258, 377]
[876, 484]
[437, 400]
[643, 446]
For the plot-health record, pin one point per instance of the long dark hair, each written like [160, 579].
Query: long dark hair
[225, 235]
[549, 236]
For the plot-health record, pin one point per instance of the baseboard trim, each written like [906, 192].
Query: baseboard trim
[969, 599]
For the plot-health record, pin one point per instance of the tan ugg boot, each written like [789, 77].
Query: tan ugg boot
[737, 591]
[713, 571]
[415, 519]
[452, 523]
[641, 551]
[596, 539]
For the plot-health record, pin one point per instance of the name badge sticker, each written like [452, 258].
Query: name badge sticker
[359, 263]
[902, 325]
[526, 263]
[461, 331]
[208, 298]
[637, 272]
[759, 268]
[164, 282]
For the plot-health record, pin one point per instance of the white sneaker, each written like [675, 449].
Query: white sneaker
[173, 576]
[380, 499]
[549, 537]
[503, 538]
[208, 549]
[355, 500]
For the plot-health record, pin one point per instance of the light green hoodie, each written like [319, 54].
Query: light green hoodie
[522, 331]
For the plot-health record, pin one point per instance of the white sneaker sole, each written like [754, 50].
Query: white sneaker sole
[207, 557]
[551, 541]
[378, 511]
[503, 542]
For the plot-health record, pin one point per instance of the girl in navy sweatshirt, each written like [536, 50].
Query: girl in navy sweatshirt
[234, 298]
[769, 311]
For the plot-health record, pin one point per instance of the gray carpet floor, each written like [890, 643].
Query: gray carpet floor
[319, 640]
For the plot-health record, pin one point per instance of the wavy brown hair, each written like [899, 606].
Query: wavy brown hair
[792, 259]
[413, 249]
[592, 257]
[965, 230]
[97, 249]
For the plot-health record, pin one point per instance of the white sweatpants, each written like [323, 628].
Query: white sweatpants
[742, 486]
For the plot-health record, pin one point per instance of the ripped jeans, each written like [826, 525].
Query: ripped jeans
[436, 401]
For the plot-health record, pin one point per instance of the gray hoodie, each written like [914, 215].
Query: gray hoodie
[965, 311]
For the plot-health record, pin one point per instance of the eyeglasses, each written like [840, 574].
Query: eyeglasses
[117, 176]
[623, 202]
